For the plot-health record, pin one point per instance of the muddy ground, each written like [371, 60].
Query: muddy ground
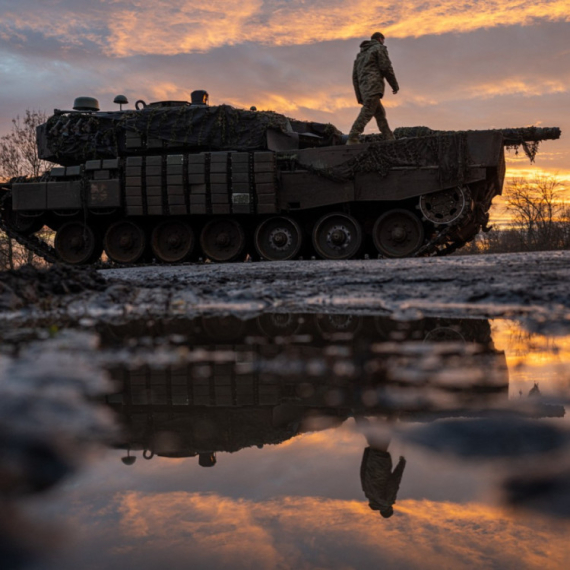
[528, 286]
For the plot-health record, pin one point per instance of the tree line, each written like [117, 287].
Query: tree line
[539, 218]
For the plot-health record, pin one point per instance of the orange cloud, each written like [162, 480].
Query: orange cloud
[169, 27]
[280, 533]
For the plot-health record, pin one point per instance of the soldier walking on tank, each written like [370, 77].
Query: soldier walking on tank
[371, 67]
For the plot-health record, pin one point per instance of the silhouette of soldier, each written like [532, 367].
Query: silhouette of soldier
[371, 67]
[379, 483]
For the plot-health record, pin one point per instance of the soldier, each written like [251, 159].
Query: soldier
[379, 483]
[371, 66]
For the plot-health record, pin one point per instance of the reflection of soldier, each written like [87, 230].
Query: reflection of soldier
[371, 66]
[379, 483]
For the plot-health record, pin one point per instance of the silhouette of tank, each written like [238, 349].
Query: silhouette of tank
[179, 181]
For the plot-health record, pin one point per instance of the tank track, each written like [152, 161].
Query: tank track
[32, 243]
[46, 252]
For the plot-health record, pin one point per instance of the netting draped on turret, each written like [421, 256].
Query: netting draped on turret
[73, 138]
[528, 138]
[448, 153]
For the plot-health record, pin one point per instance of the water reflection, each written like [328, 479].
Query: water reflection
[286, 441]
[266, 380]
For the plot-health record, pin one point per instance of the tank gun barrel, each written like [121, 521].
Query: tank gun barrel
[512, 137]
[529, 134]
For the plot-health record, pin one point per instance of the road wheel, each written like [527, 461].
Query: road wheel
[172, 241]
[337, 236]
[125, 242]
[77, 244]
[222, 240]
[278, 239]
[278, 324]
[398, 233]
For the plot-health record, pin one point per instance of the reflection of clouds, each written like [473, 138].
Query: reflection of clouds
[224, 532]
[533, 357]
[129, 27]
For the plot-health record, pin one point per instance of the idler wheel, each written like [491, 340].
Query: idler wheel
[77, 244]
[446, 206]
[398, 233]
[125, 242]
[25, 225]
[278, 239]
[172, 241]
[337, 236]
[444, 334]
[222, 240]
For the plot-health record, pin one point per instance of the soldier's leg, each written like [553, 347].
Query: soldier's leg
[380, 116]
[366, 113]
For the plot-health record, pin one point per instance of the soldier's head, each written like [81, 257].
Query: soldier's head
[387, 513]
[378, 36]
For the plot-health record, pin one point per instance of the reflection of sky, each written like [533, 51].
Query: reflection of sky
[533, 358]
[294, 506]
[300, 504]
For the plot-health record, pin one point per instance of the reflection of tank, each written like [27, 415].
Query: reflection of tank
[178, 181]
[273, 387]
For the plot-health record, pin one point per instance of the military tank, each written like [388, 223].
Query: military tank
[176, 181]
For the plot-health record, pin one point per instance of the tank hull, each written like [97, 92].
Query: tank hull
[275, 205]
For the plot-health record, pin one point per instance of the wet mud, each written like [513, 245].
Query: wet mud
[29, 286]
[531, 287]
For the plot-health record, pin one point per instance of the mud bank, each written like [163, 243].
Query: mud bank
[531, 286]
[29, 286]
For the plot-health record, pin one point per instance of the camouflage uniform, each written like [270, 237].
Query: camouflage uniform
[371, 67]
[379, 484]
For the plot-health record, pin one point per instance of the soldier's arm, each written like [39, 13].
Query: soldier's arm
[355, 83]
[386, 68]
[394, 481]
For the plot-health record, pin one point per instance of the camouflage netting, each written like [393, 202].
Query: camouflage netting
[448, 152]
[528, 138]
[74, 138]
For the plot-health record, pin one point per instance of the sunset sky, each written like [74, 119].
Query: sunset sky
[461, 64]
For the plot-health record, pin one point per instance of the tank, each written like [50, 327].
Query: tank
[179, 181]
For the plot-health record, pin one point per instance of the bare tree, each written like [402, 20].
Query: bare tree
[19, 157]
[539, 212]
[540, 219]
[18, 148]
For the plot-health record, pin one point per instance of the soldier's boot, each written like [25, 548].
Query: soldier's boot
[382, 123]
[385, 129]
[353, 139]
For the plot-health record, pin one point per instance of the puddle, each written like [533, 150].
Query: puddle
[300, 441]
